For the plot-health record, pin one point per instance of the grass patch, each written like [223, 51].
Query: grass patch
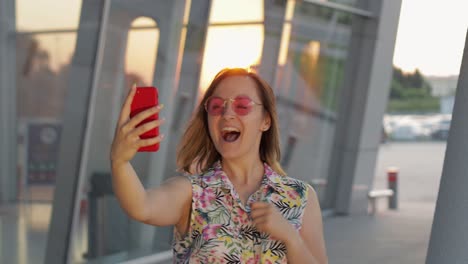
[414, 105]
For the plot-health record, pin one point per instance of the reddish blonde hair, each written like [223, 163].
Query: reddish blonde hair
[196, 152]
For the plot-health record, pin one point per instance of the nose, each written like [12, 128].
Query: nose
[228, 110]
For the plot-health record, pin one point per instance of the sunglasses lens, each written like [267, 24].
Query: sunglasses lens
[242, 106]
[214, 106]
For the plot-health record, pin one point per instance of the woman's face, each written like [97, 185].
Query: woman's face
[237, 134]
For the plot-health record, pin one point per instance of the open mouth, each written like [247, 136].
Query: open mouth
[230, 134]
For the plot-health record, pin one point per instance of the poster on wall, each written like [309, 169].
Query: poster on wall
[43, 140]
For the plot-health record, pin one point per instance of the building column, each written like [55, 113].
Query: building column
[73, 139]
[8, 144]
[448, 241]
[186, 91]
[274, 13]
[362, 106]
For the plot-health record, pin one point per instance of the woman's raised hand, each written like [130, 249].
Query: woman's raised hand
[268, 219]
[127, 140]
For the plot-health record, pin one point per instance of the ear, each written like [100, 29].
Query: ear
[266, 123]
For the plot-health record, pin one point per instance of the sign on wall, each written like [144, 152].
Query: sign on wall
[42, 152]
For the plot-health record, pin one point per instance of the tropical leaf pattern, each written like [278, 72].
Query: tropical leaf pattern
[221, 230]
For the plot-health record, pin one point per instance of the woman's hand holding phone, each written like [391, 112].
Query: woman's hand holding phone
[127, 141]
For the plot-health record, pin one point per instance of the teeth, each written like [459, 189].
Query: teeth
[230, 129]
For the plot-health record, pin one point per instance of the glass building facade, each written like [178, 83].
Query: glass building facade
[74, 62]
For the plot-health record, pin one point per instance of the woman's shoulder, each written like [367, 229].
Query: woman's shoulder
[178, 182]
[205, 178]
[294, 186]
[283, 180]
[293, 182]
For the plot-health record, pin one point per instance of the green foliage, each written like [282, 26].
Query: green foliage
[396, 90]
[410, 92]
[414, 105]
[334, 71]
[408, 85]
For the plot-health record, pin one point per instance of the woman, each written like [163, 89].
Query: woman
[240, 207]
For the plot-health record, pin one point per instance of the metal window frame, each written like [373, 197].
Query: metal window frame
[341, 7]
[72, 154]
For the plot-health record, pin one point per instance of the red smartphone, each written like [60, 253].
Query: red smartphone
[144, 98]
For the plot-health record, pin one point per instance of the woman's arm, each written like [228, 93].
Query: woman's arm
[160, 206]
[164, 205]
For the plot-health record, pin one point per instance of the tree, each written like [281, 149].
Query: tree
[410, 92]
[404, 85]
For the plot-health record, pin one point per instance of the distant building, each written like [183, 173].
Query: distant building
[443, 86]
[446, 104]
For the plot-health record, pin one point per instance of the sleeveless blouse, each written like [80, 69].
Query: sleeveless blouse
[221, 229]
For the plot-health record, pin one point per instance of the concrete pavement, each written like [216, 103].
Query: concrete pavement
[400, 236]
[388, 237]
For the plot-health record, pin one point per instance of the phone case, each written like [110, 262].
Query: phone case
[146, 97]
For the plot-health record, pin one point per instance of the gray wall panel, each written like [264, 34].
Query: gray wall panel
[74, 132]
[363, 102]
[449, 235]
[8, 125]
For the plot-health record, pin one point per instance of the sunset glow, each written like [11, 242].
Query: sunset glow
[431, 36]
[142, 48]
[230, 47]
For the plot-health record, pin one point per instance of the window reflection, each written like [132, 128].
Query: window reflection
[309, 78]
[43, 65]
[231, 45]
[225, 11]
[42, 68]
[33, 15]
[352, 3]
[103, 230]
[142, 47]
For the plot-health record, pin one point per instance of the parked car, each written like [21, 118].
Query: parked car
[441, 130]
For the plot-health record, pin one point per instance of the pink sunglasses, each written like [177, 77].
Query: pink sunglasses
[242, 105]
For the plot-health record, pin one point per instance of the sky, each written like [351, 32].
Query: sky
[431, 36]
[431, 33]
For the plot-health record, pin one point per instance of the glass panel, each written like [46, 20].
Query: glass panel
[247, 41]
[225, 11]
[42, 69]
[104, 232]
[142, 46]
[32, 15]
[309, 78]
[353, 3]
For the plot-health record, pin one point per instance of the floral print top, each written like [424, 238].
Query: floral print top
[221, 229]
